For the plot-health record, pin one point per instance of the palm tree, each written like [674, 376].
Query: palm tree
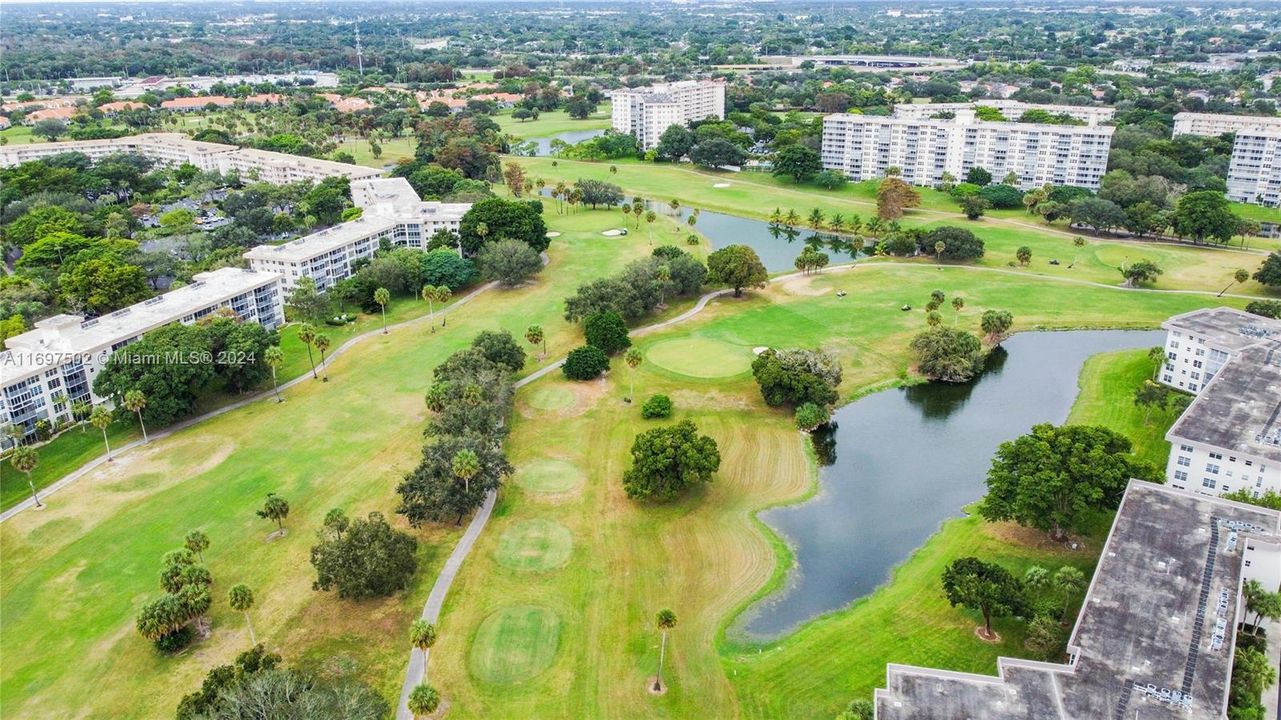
[80, 410]
[1036, 578]
[422, 635]
[1238, 277]
[441, 295]
[101, 419]
[423, 700]
[241, 598]
[666, 620]
[24, 459]
[307, 334]
[382, 296]
[792, 219]
[322, 344]
[958, 303]
[1078, 242]
[135, 402]
[650, 217]
[197, 542]
[939, 247]
[816, 219]
[465, 465]
[627, 212]
[275, 357]
[534, 335]
[675, 205]
[429, 294]
[633, 359]
[1069, 581]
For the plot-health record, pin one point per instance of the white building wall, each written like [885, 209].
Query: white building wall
[1190, 362]
[647, 112]
[1214, 471]
[1254, 175]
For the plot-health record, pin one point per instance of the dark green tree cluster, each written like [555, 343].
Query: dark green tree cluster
[640, 288]
[802, 379]
[986, 587]
[175, 365]
[737, 266]
[368, 559]
[607, 331]
[495, 219]
[948, 354]
[1056, 479]
[958, 243]
[462, 460]
[668, 460]
[585, 363]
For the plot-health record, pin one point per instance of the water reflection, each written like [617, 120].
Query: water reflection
[897, 463]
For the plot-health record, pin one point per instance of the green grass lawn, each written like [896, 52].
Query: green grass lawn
[1108, 383]
[91, 558]
[706, 556]
[63, 454]
[551, 123]
[756, 195]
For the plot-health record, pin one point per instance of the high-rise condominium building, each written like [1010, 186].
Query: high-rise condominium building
[1254, 175]
[647, 112]
[865, 147]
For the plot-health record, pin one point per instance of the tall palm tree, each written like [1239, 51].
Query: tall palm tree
[650, 217]
[275, 357]
[627, 213]
[422, 635]
[307, 334]
[665, 620]
[241, 598]
[1238, 277]
[465, 465]
[441, 295]
[633, 359]
[1069, 581]
[101, 419]
[958, 304]
[135, 402]
[382, 296]
[429, 294]
[322, 344]
[24, 459]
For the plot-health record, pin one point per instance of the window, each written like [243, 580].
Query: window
[1180, 476]
[1208, 483]
[1216, 456]
[1185, 448]
[1184, 461]
[1212, 468]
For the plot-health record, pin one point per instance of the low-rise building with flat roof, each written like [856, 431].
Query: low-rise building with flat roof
[1199, 343]
[59, 359]
[1155, 635]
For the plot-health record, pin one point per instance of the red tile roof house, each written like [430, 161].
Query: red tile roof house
[63, 113]
[265, 99]
[195, 104]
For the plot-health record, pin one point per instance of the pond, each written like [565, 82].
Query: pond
[777, 247]
[898, 463]
[573, 137]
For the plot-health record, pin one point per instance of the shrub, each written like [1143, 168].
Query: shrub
[958, 243]
[657, 407]
[585, 363]
[900, 245]
[810, 416]
[1004, 197]
[170, 643]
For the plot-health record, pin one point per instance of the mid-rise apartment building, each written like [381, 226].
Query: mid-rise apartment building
[647, 112]
[864, 147]
[393, 214]
[47, 368]
[1215, 124]
[1155, 634]
[176, 149]
[1011, 109]
[1229, 438]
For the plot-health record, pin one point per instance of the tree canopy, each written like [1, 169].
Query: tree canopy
[371, 559]
[667, 460]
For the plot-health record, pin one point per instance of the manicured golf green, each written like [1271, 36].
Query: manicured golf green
[534, 545]
[700, 357]
[551, 477]
[515, 644]
[551, 123]
[549, 397]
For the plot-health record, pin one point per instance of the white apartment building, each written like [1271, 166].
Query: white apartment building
[1011, 109]
[1229, 438]
[864, 147]
[1254, 175]
[1215, 124]
[176, 149]
[393, 213]
[647, 112]
[63, 354]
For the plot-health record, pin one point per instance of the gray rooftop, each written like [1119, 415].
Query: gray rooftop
[1166, 562]
[1240, 409]
[1226, 328]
